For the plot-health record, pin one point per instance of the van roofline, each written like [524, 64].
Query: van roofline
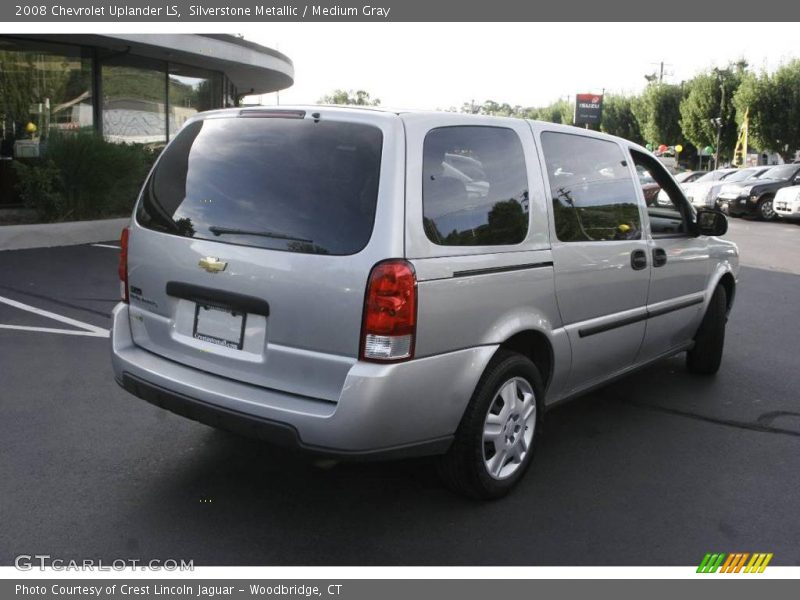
[400, 112]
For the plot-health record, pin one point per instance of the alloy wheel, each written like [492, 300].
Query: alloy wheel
[767, 212]
[509, 428]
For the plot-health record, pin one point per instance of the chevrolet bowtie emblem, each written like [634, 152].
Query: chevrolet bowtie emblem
[212, 265]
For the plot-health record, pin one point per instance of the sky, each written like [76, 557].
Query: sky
[443, 65]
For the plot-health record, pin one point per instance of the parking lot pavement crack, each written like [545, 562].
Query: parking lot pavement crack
[768, 418]
[763, 423]
[55, 301]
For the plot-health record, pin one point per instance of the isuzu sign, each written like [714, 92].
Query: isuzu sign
[588, 109]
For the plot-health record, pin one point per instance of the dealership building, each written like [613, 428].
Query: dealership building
[128, 88]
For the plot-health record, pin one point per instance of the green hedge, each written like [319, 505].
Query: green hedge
[81, 176]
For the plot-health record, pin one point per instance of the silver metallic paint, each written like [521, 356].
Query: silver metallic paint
[300, 365]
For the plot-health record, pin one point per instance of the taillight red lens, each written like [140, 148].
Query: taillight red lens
[123, 264]
[390, 312]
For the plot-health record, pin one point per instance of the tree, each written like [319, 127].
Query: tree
[350, 97]
[492, 108]
[774, 108]
[560, 111]
[704, 102]
[618, 118]
[657, 111]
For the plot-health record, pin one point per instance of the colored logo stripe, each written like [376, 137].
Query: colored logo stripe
[758, 563]
[733, 563]
[711, 563]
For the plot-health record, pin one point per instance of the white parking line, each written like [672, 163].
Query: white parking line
[87, 328]
[52, 330]
[106, 246]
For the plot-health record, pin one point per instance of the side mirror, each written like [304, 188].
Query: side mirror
[711, 222]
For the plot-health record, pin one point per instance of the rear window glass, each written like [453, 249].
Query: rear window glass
[279, 183]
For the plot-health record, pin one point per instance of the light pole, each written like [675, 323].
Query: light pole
[718, 120]
[718, 124]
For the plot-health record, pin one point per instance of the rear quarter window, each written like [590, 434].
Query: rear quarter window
[474, 187]
[281, 183]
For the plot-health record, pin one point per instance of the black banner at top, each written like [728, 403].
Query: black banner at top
[33, 11]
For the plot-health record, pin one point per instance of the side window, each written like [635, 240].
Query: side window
[474, 187]
[594, 195]
[667, 209]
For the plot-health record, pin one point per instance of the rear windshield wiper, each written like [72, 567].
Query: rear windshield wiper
[269, 234]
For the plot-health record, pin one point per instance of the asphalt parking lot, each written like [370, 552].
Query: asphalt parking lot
[656, 469]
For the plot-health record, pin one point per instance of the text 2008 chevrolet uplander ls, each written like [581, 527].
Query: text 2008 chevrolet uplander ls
[366, 282]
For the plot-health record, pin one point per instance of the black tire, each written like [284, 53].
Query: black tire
[765, 205]
[706, 355]
[463, 468]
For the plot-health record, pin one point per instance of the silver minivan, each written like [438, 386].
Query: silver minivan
[370, 283]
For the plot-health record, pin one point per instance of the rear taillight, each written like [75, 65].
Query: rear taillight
[390, 312]
[123, 265]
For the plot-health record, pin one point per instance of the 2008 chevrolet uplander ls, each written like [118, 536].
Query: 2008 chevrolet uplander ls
[366, 282]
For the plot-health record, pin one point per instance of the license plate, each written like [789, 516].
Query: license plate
[780, 205]
[728, 196]
[219, 325]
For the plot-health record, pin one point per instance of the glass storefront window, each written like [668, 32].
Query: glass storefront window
[48, 88]
[43, 88]
[191, 91]
[134, 100]
[229, 98]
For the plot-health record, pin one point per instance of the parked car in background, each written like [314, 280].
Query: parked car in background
[702, 192]
[331, 284]
[682, 178]
[756, 198]
[787, 202]
[732, 185]
[689, 176]
[650, 187]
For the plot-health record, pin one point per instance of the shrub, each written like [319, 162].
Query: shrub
[81, 176]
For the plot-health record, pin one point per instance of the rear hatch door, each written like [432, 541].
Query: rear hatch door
[253, 240]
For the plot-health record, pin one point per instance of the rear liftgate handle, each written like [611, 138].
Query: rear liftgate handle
[638, 260]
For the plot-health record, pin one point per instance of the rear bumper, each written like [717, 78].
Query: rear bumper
[384, 411]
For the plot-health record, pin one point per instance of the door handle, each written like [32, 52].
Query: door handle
[659, 257]
[638, 260]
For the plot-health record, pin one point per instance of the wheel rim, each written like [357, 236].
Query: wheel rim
[509, 428]
[766, 209]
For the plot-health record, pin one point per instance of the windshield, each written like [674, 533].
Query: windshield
[686, 176]
[710, 176]
[742, 175]
[783, 172]
[281, 183]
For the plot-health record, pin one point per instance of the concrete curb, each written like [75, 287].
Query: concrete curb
[46, 235]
